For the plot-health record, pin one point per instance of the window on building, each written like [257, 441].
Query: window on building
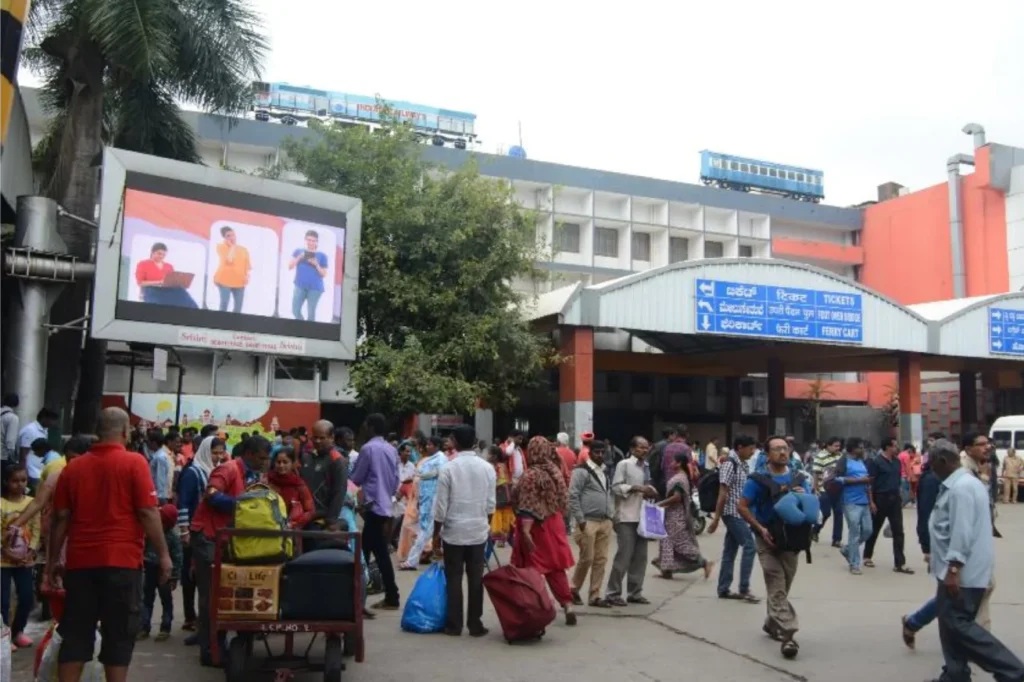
[744, 168]
[733, 165]
[299, 369]
[772, 173]
[790, 175]
[641, 246]
[713, 249]
[678, 249]
[679, 384]
[640, 383]
[799, 177]
[746, 251]
[762, 170]
[606, 242]
[567, 237]
[613, 383]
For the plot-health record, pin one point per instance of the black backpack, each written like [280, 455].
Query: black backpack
[787, 537]
[707, 491]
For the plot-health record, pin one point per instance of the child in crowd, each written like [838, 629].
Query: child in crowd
[151, 576]
[504, 516]
[286, 481]
[19, 546]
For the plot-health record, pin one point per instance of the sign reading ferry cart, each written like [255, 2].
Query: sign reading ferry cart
[786, 313]
[1006, 331]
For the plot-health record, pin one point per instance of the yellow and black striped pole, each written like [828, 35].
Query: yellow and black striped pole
[12, 20]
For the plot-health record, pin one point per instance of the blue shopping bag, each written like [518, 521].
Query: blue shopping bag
[427, 607]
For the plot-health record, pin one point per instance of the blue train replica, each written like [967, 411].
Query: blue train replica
[743, 174]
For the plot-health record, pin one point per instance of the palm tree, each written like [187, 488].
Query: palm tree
[817, 392]
[114, 71]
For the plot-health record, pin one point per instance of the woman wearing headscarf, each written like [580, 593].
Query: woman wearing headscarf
[540, 498]
[191, 488]
[679, 552]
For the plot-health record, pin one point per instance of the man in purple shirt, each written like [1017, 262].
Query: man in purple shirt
[376, 473]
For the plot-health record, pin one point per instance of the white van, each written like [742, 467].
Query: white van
[1007, 432]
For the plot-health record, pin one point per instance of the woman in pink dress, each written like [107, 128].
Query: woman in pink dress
[540, 498]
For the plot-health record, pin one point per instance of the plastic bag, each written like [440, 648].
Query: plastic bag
[426, 610]
[652, 522]
[47, 672]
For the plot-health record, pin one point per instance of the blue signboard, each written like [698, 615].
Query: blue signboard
[1006, 331]
[776, 312]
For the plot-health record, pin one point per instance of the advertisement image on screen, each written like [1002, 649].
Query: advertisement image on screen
[194, 264]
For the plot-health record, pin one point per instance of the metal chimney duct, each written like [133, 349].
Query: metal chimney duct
[977, 131]
[956, 224]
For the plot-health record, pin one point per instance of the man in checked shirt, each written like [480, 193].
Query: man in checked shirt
[732, 476]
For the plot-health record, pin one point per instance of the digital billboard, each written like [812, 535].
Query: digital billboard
[194, 256]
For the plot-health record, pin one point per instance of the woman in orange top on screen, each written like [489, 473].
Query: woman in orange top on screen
[150, 273]
[232, 274]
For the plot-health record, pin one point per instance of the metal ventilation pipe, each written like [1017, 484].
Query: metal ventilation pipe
[956, 223]
[977, 131]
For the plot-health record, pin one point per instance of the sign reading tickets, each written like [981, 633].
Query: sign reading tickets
[787, 313]
[249, 592]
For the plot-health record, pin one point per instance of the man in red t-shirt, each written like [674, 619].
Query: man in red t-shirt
[104, 505]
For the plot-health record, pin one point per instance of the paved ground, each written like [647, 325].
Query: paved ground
[849, 633]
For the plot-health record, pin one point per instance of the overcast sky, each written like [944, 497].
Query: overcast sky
[873, 92]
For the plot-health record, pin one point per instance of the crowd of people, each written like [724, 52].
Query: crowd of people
[93, 515]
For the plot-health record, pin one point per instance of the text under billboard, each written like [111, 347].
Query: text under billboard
[786, 313]
[1006, 331]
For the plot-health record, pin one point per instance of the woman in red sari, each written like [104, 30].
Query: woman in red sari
[540, 498]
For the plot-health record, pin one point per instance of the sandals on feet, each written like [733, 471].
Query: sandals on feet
[909, 634]
[868, 563]
[903, 569]
[790, 649]
[600, 603]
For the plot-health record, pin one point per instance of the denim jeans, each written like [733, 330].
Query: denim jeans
[923, 616]
[737, 535]
[150, 588]
[23, 587]
[858, 522]
[308, 296]
[226, 293]
[832, 505]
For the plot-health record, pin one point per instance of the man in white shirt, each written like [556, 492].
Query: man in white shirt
[960, 529]
[464, 503]
[9, 428]
[513, 448]
[345, 440]
[33, 431]
[711, 454]
[630, 487]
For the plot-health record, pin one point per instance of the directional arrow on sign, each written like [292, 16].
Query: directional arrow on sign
[707, 288]
[705, 323]
[704, 305]
[996, 315]
[997, 344]
[997, 330]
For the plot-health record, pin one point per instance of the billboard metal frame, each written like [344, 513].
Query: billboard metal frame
[118, 163]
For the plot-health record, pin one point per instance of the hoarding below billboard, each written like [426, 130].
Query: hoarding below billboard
[193, 256]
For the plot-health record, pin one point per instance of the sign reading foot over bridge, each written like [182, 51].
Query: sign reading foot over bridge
[785, 313]
[1006, 331]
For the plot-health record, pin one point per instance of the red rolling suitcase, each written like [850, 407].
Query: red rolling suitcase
[521, 600]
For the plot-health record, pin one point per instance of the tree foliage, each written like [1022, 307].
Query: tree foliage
[439, 321]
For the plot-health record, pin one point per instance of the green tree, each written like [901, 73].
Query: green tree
[114, 71]
[439, 320]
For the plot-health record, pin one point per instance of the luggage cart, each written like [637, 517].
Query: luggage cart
[340, 637]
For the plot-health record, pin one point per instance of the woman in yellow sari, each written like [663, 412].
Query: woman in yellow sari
[504, 515]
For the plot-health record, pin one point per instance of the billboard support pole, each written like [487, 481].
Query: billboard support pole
[181, 380]
[131, 380]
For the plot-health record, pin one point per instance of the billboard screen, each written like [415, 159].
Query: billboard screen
[209, 258]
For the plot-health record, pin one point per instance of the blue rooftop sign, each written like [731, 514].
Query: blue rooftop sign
[1006, 331]
[785, 313]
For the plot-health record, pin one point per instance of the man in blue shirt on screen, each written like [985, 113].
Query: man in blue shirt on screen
[310, 268]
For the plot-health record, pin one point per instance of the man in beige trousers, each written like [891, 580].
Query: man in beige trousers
[590, 504]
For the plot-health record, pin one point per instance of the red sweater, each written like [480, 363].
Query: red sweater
[295, 493]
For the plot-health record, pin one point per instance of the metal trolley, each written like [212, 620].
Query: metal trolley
[341, 638]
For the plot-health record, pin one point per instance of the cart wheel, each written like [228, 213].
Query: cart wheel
[333, 664]
[237, 659]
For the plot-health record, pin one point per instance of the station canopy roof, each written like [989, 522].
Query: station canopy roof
[732, 315]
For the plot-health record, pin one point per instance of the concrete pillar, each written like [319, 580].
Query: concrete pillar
[733, 409]
[969, 415]
[911, 424]
[576, 382]
[776, 398]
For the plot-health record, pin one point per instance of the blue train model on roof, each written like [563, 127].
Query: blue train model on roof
[743, 174]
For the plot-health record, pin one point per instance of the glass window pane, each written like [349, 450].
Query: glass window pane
[606, 242]
[744, 168]
[1018, 440]
[567, 237]
[713, 249]
[678, 249]
[746, 251]
[762, 170]
[641, 246]
[799, 177]
[1001, 439]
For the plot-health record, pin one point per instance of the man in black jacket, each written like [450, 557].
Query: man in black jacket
[325, 471]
